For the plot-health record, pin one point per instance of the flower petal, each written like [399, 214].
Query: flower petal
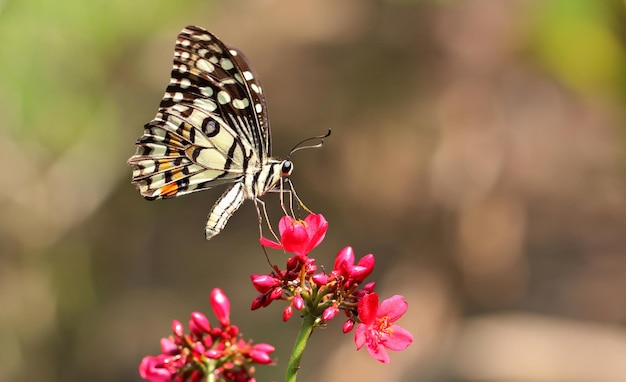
[393, 307]
[359, 336]
[368, 308]
[316, 227]
[284, 223]
[378, 351]
[399, 338]
[270, 244]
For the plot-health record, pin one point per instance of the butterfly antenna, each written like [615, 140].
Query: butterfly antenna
[299, 146]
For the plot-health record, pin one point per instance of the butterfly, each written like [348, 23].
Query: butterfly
[211, 128]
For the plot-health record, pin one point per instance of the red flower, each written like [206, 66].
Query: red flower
[377, 329]
[299, 236]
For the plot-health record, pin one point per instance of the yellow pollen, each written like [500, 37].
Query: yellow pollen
[383, 325]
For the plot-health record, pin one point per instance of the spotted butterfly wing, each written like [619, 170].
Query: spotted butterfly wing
[211, 129]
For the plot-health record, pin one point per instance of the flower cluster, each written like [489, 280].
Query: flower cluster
[323, 295]
[217, 352]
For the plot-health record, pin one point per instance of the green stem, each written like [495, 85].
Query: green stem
[306, 329]
[210, 373]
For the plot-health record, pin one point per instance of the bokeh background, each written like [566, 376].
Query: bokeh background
[478, 152]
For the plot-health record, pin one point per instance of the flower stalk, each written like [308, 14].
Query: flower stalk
[306, 329]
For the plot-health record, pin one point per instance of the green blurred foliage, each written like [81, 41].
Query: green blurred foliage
[581, 42]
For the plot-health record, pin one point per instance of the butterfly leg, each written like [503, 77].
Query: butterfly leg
[258, 202]
[292, 190]
[223, 209]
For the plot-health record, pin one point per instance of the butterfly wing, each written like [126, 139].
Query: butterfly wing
[211, 127]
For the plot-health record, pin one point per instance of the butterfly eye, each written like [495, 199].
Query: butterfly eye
[286, 169]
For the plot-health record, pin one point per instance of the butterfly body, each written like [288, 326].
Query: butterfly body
[211, 129]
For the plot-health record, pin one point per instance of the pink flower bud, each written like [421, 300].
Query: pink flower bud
[263, 283]
[320, 279]
[198, 349]
[347, 326]
[168, 346]
[363, 269]
[287, 312]
[267, 348]
[257, 302]
[260, 357]
[232, 331]
[221, 306]
[276, 293]
[369, 287]
[329, 313]
[298, 302]
[207, 341]
[214, 353]
[260, 353]
[344, 262]
[177, 328]
[195, 330]
[201, 322]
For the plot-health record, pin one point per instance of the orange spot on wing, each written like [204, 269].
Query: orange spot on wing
[169, 189]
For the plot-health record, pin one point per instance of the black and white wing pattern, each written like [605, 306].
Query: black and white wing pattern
[211, 128]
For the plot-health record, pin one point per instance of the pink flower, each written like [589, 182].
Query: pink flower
[377, 330]
[155, 369]
[299, 236]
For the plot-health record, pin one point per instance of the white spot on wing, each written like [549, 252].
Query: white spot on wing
[247, 75]
[226, 64]
[205, 65]
[185, 83]
[207, 91]
[223, 97]
[206, 104]
[241, 103]
[258, 107]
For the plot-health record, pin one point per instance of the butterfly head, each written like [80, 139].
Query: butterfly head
[286, 168]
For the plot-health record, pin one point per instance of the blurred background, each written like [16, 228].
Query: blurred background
[478, 151]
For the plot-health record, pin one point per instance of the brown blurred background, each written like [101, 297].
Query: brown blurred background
[478, 151]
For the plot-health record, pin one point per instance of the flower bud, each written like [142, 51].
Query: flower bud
[198, 349]
[195, 330]
[347, 326]
[168, 346]
[287, 312]
[260, 357]
[298, 302]
[263, 283]
[178, 328]
[221, 306]
[329, 313]
[260, 353]
[363, 269]
[344, 262]
[320, 279]
[214, 353]
[201, 322]
[258, 302]
[232, 331]
[276, 294]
